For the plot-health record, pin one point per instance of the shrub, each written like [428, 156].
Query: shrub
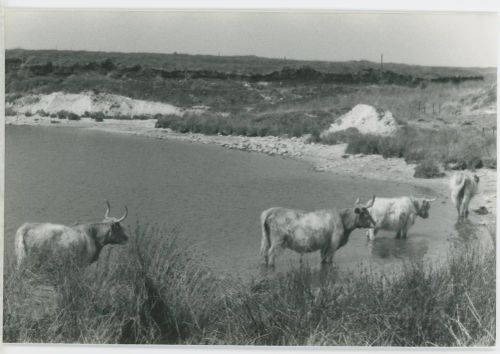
[490, 162]
[365, 144]
[427, 169]
[73, 116]
[9, 111]
[42, 113]
[28, 113]
[140, 117]
[291, 124]
[462, 148]
[62, 114]
[339, 137]
[97, 116]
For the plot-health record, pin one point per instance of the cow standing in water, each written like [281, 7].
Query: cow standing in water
[463, 187]
[84, 242]
[304, 232]
[397, 214]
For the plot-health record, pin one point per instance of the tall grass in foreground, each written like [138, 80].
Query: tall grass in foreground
[158, 292]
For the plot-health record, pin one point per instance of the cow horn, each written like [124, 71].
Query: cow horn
[370, 203]
[108, 208]
[124, 215]
[357, 201]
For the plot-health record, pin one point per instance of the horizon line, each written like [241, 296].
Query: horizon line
[256, 56]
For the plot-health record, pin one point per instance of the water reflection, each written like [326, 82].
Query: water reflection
[385, 248]
[473, 232]
[466, 230]
[316, 275]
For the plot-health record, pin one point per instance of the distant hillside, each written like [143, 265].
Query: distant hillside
[237, 83]
[234, 64]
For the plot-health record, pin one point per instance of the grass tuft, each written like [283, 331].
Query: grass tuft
[464, 148]
[157, 291]
[428, 169]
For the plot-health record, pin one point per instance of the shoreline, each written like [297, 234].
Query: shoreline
[322, 158]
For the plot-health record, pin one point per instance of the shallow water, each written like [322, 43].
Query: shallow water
[211, 196]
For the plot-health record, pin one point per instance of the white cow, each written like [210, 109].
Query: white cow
[84, 242]
[397, 214]
[463, 187]
[303, 232]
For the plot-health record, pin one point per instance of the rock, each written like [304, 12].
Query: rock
[481, 210]
[367, 120]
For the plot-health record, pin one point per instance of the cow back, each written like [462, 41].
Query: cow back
[387, 211]
[59, 239]
[303, 231]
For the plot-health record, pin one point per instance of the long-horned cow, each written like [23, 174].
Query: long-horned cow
[84, 242]
[397, 214]
[304, 232]
[463, 187]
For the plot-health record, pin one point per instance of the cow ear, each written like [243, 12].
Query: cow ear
[357, 210]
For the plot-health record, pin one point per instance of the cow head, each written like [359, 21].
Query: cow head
[422, 206]
[117, 234]
[363, 217]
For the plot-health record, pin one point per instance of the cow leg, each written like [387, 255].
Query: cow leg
[466, 206]
[371, 233]
[274, 252]
[459, 207]
[266, 259]
[463, 208]
[326, 256]
[404, 231]
[403, 223]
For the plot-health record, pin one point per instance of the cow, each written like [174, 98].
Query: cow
[463, 186]
[82, 242]
[303, 232]
[397, 214]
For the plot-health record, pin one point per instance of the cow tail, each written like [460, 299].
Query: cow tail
[457, 185]
[265, 243]
[20, 245]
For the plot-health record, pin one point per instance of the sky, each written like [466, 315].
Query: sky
[441, 39]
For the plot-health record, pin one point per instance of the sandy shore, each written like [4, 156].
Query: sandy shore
[323, 158]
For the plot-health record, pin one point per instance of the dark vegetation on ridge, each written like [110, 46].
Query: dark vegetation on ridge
[163, 77]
